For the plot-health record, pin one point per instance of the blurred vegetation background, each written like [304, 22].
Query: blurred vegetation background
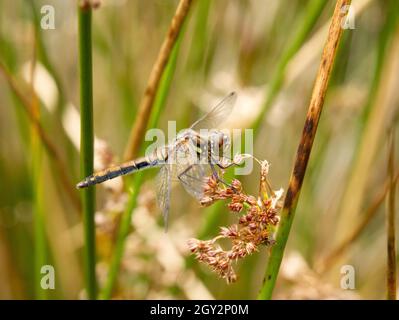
[266, 51]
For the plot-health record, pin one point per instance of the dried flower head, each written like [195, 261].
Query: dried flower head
[254, 228]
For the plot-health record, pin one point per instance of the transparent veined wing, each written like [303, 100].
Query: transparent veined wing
[215, 117]
[193, 179]
[163, 186]
[178, 157]
[192, 172]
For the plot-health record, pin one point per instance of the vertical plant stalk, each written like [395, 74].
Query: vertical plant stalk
[391, 244]
[125, 223]
[87, 146]
[137, 132]
[304, 149]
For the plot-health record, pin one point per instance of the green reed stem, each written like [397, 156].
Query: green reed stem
[135, 185]
[87, 147]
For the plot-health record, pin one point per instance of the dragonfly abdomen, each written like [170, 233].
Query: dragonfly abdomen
[114, 172]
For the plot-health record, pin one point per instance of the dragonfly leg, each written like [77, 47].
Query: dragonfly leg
[228, 162]
[225, 166]
[215, 174]
[184, 172]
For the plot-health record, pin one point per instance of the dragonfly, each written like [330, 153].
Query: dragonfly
[194, 154]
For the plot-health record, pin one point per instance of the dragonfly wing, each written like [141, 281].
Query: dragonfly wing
[217, 115]
[189, 168]
[184, 164]
[177, 154]
[192, 179]
[163, 182]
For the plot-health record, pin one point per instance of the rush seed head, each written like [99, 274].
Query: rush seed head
[253, 228]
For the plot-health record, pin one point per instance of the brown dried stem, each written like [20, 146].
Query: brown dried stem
[147, 101]
[304, 149]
